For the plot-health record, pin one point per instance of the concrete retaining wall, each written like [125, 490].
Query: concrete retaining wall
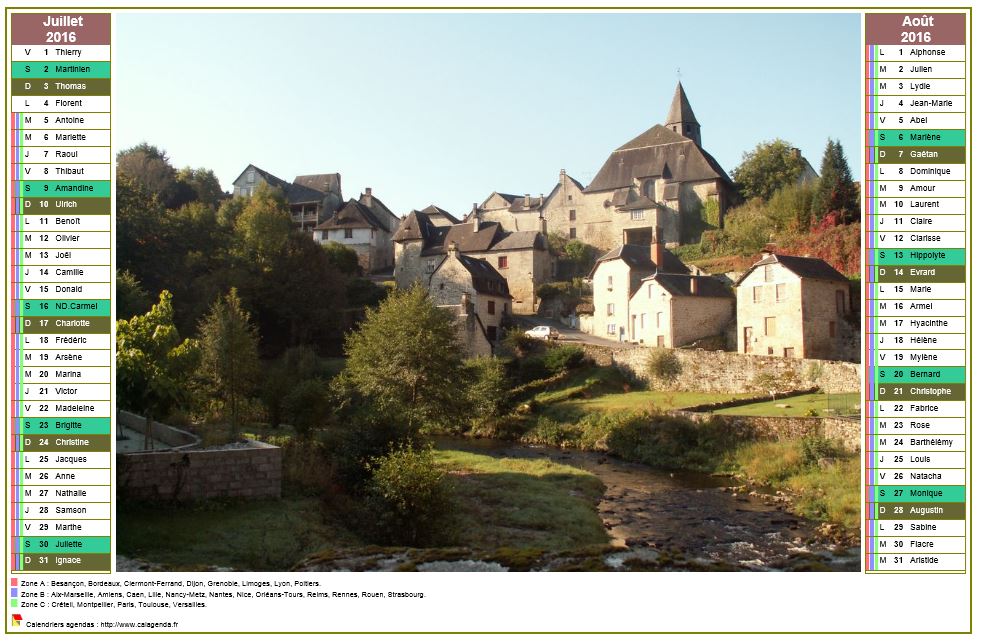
[171, 436]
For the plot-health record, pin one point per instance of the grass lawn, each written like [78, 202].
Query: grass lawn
[522, 503]
[800, 405]
[246, 535]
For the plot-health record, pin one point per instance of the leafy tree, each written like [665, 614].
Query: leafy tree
[406, 358]
[149, 167]
[664, 365]
[201, 184]
[771, 165]
[131, 298]
[342, 257]
[264, 226]
[580, 254]
[230, 358]
[487, 389]
[307, 405]
[153, 365]
[836, 192]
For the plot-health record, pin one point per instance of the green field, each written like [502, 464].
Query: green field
[842, 404]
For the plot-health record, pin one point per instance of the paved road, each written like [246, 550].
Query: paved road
[566, 333]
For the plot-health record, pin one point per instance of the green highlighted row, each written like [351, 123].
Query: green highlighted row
[60, 69]
[921, 494]
[922, 137]
[928, 257]
[922, 374]
[63, 188]
[64, 544]
[97, 308]
[63, 425]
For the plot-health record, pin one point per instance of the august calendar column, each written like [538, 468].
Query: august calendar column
[916, 241]
[60, 227]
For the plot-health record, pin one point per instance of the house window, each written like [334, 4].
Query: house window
[431, 265]
[779, 292]
[610, 282]
[789, 352]
[569, 197]
[611, 328]
[660, 341]
[503, 261]
[650, 291]
[769, 326]
[610, 309]
[642, 321]
[769, 273]
[658, 319]
[348, 233]
[771, 351]
[491, 307]
[573, 233]
[637, 215]
[840, 303]
[832, 329]
[251, 177]
[573, 215]
[756, 291]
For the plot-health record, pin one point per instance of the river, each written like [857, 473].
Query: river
[670, 517]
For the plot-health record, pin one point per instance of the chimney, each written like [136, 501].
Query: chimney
[367, 197]
[542, 225]
[693, 284]
[563, 173]
[796, 153]
[526, 202]
[657, 248]
[452, 250]
[476, 222]
[466, 304]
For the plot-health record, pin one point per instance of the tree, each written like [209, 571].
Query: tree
[406, 358]
[342, 258]
[264, 226]
[153, 365]
[230, 355]
[202, 184]
[149, 167]
[771, 165]
[836, 192]
[131, 298]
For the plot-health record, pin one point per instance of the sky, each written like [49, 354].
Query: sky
[445, 108]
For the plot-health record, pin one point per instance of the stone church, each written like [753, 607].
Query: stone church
[660, 186]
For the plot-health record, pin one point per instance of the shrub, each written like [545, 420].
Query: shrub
[814, 447]
[551, 432]
[307, 405]
[533, 368]
[364, 437]
[521, 344]
[664, 366]
[407, 498]
[487, 392]
[563, 358]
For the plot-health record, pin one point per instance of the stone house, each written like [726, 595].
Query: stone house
[513, 212]
[366, 226]
[671, 310]
[312, 197]
[459, 278]
[794, 307]
[617, 275]
[522, 258]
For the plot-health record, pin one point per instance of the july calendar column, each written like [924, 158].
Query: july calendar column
[916, 282]
[60, 225]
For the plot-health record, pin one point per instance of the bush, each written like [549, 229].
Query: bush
[533, 368]
[487, 392]
[664, 366]
[521, 344]
[307, 405]
[364, 437]
[551, 432]
[563, 358]
[815, 447]
[407, 498]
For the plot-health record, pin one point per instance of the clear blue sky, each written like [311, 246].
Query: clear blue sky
[445, 108]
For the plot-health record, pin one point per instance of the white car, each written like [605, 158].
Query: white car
[543, 333]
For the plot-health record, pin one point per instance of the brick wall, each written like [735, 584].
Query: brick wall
[251, 472]
[728, 372]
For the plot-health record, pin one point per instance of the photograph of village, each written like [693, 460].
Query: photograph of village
[647, 362]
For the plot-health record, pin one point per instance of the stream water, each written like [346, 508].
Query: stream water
[695, 516]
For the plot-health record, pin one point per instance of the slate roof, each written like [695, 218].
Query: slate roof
[352, 215]
[321, 182]
[484, 278]
[804, 267]
[294, 193]
[639, 257]
[521, 240]
[436, 211]
[682, 285]
[519, 204]
[389, 221]
[649, 154]
[680, 110]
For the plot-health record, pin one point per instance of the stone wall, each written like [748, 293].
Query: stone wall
[252, 471]
[171, 436]
[847, 430]
[728, 372]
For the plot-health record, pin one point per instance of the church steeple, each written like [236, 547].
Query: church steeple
[681, 118]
